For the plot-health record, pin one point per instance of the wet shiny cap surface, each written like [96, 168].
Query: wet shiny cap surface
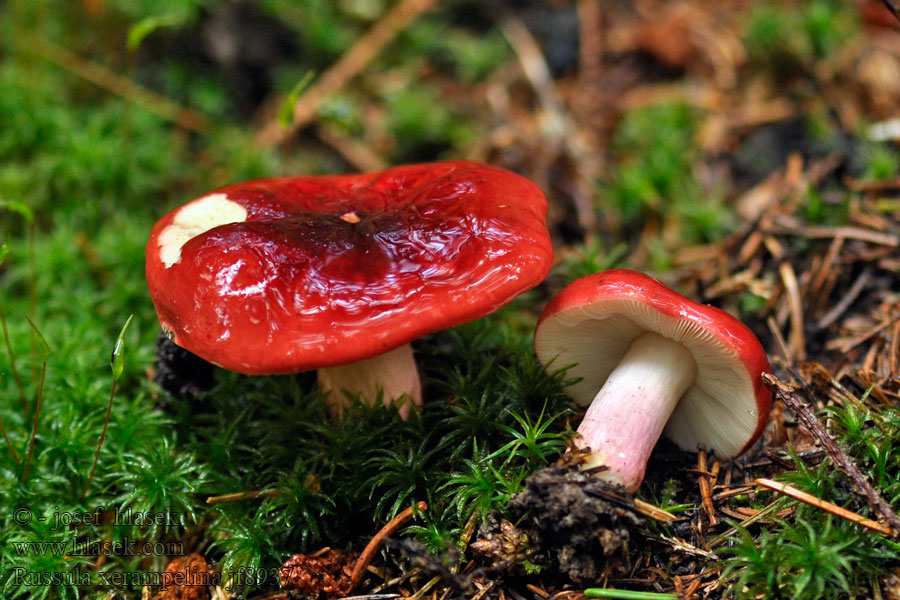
[291, 274]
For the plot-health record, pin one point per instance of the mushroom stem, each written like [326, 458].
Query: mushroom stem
[393, 373]
[629, 412]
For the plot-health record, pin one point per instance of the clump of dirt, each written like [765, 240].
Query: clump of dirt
[502, 545]
[443, 564]
[322, 576]
[575, 519]
[182, 374]
[891, 586]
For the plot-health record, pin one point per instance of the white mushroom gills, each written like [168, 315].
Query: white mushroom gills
[628, 414]
[195, 218]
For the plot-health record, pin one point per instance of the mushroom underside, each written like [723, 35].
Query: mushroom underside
[719, 411]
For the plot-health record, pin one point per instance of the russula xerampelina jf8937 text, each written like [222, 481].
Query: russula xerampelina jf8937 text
[340, 273]
[652, 362]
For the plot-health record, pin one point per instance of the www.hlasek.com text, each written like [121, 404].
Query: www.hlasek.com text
[123, 547]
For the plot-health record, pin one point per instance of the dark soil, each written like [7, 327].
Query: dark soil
[575, 520]
[182, 374]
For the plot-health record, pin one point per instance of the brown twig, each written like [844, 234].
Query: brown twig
[12, 367]
[346, 68]
[894, 360]
[37, 418]
[371, 548]
[779, 340]
[589, 95]
[746, 511]
[893, 7]
[9, 445]
[691, 591]
[238, 496]
[560, 133]
[534, 67]
[124, 87]
[822, 279]
[764, 512]
[112, 395]
[843, 462]
[467, 533]
[849, 298]
[732, 492]
[653, 512]
[788, 226]
[683, 546]
[705, 491]
[834, 509]
[420, 593]
[845, 345]
[872, 186]
[796, 339]
[354, 152]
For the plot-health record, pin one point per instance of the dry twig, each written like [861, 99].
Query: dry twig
[797, 339]
[238, 496]
[355, 152]
[559, 129]
[726, 536]
[894, 7]
[346, 68]
[371, 548]
[705, 490]
[124, 87]
[843, 462]
[789, 226]
[849, 298]
[654, 512]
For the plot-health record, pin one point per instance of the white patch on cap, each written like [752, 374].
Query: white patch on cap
[195, 218]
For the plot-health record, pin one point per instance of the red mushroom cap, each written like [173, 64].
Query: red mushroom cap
[592, 322]
[297, 273]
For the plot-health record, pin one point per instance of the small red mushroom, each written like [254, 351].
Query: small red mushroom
[340, 273]
[652, 362]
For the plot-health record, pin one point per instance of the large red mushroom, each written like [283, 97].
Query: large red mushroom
[340, 273]
[652, 362]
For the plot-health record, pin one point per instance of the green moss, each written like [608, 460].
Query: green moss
[784, 38]
[332, 481]
[814, 554]
[653, 175]
[423, 124]
[881, 162]
[82, 161]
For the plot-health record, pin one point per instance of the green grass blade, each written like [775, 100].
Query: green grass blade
[43, 347]
[627, 594]
[117, 360]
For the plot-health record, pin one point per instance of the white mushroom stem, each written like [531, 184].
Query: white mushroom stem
[393, 373]
[629, 412]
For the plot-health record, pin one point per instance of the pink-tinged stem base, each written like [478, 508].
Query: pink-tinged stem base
[393, 373]
[628, 414]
